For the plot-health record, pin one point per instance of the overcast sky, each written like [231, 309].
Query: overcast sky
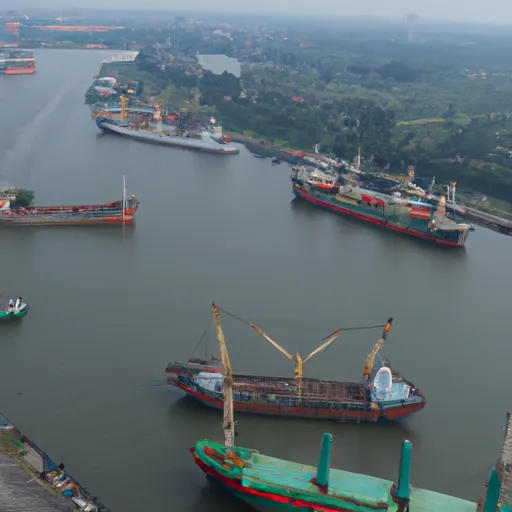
[495, 11]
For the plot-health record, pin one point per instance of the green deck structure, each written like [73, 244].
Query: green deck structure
[272, 484]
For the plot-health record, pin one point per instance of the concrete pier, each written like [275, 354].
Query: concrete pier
[31, 482]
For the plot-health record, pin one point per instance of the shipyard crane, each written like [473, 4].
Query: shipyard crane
[299, 361]
[229, 420]
[370, 359]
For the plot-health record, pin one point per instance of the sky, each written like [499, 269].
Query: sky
[493, 11]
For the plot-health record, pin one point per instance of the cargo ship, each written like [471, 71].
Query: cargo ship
[17, 62]
[137, 123]
[383, 202]
[18, 213]
[270, 484]
[384, 396]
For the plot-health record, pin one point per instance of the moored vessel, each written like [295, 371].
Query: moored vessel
[270, 484]
[16, 212]
[136, 123]
[17, 62]
[395, 208]
[385, 395]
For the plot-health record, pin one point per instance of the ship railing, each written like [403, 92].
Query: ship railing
[348, 393]
[346, 403]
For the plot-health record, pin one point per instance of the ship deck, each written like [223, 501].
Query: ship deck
[307, 388]
[270, 475]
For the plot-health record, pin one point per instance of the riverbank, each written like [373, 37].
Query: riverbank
[264, 148]
[49, 487]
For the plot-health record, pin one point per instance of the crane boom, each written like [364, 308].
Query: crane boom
[324, 346]
[229, 420]
[270, 340]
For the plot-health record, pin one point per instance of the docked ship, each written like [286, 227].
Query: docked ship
[385, 395]
[19, 213]
[403, 208]
[137, 123]
[17, 62]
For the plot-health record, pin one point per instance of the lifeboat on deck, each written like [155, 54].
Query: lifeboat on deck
[323, 182]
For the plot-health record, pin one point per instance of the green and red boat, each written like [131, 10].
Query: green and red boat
[269, 484]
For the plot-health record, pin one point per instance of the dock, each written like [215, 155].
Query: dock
[31, 482]
[487, 220]
[19, 493]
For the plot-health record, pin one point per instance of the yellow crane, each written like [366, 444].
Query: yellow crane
[299, 361]
[370, 359]
[229, 420]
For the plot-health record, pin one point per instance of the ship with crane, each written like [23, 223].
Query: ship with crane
[385, 395]
[146, 124]
[394, 203]
[270, 484]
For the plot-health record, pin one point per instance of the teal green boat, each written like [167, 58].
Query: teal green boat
[269, 484]
[11, 308]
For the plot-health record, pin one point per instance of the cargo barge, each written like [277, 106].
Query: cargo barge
[16, 213]
[384, 395]
[17, 62]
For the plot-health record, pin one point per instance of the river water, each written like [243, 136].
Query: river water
[83, 374]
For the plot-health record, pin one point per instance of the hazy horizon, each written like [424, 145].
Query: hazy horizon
[492, 11]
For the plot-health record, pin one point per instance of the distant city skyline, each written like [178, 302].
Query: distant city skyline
[490, 11]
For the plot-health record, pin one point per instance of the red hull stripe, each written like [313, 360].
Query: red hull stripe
[19, 71]
[418, 234]
[248, 492]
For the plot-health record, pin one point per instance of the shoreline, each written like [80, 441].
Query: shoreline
[263, 148]
[49, 484]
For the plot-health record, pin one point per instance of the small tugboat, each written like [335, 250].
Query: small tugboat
[271, 484]
[385, 395]
[15, 210]
[11, 308]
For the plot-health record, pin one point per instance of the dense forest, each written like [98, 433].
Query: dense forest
[441, 104]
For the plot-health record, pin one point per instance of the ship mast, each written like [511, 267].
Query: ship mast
[124, 197]
[299, 362]
[370, 359]
[229, 420]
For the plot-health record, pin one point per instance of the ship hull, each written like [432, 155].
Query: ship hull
[341, 407]
[261, 501]
[387, 414]
[5, 316]
[344, 210]
[19, 71]
[112, 214]
[166, 140]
